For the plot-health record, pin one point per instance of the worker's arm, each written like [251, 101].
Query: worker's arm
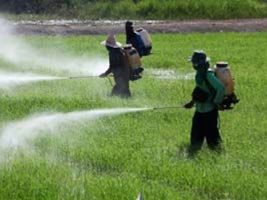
[189, 104]
[111, 65]
[107, 72]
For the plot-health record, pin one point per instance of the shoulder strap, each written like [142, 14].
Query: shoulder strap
[210, 88]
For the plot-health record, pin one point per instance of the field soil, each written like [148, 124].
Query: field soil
[76, 27]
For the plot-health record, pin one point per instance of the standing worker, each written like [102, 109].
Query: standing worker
[207, 96]
[118, 66]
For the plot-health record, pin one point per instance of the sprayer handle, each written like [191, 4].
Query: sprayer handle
[103, 75]
[189, 104]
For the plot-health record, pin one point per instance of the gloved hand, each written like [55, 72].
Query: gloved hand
[220, 107]
[189, 104]
[103, 75]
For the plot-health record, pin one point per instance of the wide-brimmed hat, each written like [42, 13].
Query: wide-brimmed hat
[111, 42]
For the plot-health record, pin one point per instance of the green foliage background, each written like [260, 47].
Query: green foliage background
[139, 9]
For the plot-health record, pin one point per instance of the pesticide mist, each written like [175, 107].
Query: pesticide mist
[20, 53]
[168, 74]
[9, 80]
[21, 133]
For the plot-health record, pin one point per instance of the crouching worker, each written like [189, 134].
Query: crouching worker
[207, 96]
[134, 38]
[118, 66]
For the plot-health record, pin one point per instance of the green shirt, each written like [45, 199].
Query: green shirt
[213, 100]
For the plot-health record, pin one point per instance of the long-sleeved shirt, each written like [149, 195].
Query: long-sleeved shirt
[214, 99]
[117, 64]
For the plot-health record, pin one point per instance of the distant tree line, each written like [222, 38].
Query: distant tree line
[34, 6]
[138, 9]
[46, 6]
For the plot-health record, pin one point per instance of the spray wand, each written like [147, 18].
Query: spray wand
[91, 76]
[166, 107]
[80, 77]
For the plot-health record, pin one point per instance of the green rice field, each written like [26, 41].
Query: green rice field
[69, 156]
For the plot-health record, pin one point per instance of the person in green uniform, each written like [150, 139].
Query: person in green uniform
[207, 97]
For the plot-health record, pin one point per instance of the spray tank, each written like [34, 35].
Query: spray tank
[223, 73]
[134, 62]
[146, 40]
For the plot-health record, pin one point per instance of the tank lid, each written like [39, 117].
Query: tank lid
[127, 46]
[139, 29]
[222, 64]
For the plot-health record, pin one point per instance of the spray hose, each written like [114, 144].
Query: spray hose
[110, 81]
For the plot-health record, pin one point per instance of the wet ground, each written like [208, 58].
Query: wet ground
[88, 27]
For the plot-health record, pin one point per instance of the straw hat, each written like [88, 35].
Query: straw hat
[111, 42]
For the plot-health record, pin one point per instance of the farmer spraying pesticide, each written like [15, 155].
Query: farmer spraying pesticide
[118, 66]
[207, 97]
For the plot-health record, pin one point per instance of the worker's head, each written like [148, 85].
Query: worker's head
[129, 27]
[111, 42]
[199, 59]
[128, 24]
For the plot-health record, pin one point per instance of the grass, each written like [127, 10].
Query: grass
[117, 157]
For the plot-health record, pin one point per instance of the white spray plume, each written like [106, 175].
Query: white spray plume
[8, 80]
[169, 74]
[20, 133]
[17, 51]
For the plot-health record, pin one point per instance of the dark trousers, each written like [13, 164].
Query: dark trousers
[121, 87]
[205, 125]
